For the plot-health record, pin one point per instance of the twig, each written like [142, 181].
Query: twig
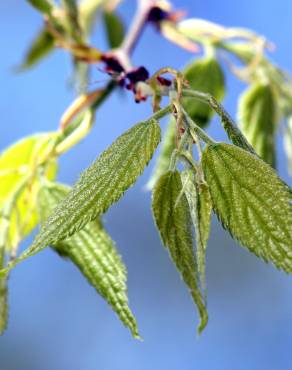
[137, 26]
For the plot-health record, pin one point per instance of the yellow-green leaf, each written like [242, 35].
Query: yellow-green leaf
[257, 115]
[207, 76]
[251, 201]
[173, 220]
[94, 254]
[88, 10]
[17, 163]
[101, 185]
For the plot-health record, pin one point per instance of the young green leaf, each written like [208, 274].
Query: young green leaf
[94, 254]
[207, 76]
[172, 217]
[167, 147]
[16, 164]
[200, 205]
[251, 201]
[44, 6]
[288, 143]
[257, 114]
[71, 20]
[101, 185]
[114, 29]
[40, 47]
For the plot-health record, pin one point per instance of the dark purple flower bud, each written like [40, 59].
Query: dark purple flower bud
[112, 64]
[137, 75]
[156, 15]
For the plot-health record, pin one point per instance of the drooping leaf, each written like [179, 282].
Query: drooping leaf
[258, 118]
[173, 220]
[114, 29]
[288, 143]
[40, 47]
[94, 254]
[101, 185]
[251, 201]
[207, 76]
[16, 164]
[200, 205]
[167, 147]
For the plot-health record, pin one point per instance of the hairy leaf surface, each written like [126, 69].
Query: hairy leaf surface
[251, 201]
[207, 76]
[164, 157]
[258, 117]
[200, 205]
[173, 220]
[95, 255]
[16, 163]
[101, 185]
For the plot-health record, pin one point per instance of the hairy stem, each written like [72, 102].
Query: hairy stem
[228, 124]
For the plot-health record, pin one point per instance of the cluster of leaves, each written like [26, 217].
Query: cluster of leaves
[234, 180]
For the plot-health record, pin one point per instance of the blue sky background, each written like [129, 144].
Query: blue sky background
[57, 321]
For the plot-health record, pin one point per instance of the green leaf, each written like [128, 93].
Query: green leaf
[3, 304]
[258, 118]
[172, 217]
[115, 30]
[101, 185]
[17, 163]
[167, 148]
[72, 19]
[200, 205]
[44, 6]
[41, 46]
[207, 76]
[288, 143]
[94, 254]
[251, 201]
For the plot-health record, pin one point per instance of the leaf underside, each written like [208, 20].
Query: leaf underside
[172, 217]
[94, 254]
[251, 201]
[200, 205]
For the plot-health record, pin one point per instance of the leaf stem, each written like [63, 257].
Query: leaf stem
[198, 131]
[137, 26]
[228, 124]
